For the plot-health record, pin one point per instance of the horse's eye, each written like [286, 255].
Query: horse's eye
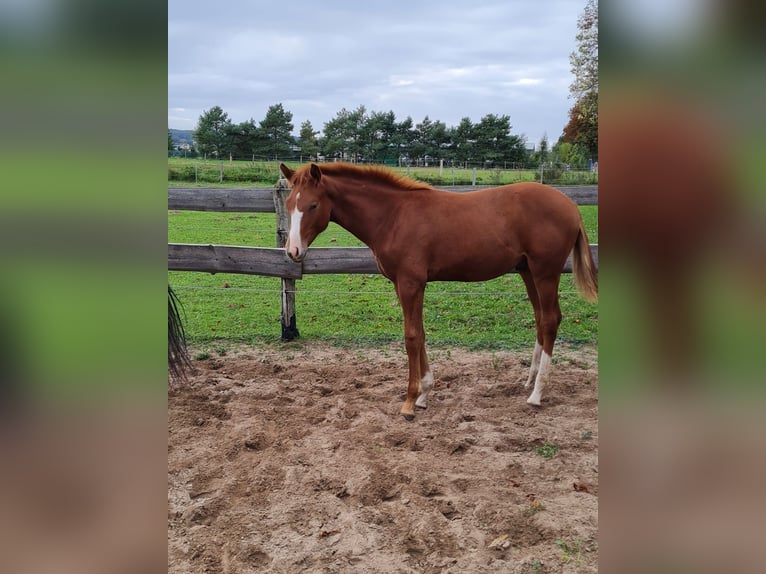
[313, 206]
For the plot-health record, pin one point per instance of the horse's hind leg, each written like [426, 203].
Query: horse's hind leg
[535, 367]
[535, 301]
[550, 318]
[426, 382]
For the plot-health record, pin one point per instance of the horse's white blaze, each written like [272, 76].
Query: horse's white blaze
[535, 364]
[541, 380]
[426, 384]
[294, 237]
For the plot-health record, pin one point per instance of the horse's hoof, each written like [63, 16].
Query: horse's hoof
[421, 407]
[408, 418]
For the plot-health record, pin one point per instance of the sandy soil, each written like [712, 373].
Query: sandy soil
[295, 459]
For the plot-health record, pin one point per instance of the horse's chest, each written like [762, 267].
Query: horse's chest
[383, 268]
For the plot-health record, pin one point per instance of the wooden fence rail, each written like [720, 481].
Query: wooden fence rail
[222, 199]
[273, 262]
[261, 199]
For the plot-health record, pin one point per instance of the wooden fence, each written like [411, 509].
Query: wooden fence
[272, 261]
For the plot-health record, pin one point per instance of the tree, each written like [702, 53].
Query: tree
[344, 133]
[277, 129]
[439, 139]
[170, 141]
[337, 134]
[582, 128]
[378, 136]
[211, 133]
[570, 154]
[464, 140]
[402, 138]
[246, 139]
[427, 139]
[307, 139]
[494, 142]
[542, 150]
[584, 60]
[421, 144]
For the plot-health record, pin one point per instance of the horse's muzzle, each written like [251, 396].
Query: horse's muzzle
[295, 254]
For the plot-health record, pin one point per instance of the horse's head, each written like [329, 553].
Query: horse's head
[308, 206]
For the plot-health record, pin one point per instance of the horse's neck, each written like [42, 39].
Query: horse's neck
[363, 213]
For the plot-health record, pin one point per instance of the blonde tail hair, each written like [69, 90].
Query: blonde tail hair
[584, 268]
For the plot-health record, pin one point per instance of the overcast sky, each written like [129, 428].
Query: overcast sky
[447, 59]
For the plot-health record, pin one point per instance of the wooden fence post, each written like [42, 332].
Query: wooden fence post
[289, 328]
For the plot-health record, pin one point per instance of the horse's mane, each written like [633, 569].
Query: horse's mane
[382, 174]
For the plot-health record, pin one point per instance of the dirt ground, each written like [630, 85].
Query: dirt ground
[294, 459]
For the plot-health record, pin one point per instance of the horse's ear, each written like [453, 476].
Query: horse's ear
[286, 171]
[316, 173]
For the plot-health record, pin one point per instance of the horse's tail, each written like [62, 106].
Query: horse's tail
[178, 357]
[584, 268]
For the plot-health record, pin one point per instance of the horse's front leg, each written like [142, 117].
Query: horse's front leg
[411, 298]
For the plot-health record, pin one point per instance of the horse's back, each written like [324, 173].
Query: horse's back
[477, 235]
[523, 208]
[535, 195]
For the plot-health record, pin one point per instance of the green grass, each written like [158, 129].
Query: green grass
[356, 310]
[182, 171]
[548, 450]
[535, 566]
[570, 551]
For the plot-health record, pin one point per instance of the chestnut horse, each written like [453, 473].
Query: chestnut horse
[419, 234]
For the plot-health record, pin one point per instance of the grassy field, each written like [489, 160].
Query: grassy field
[185, 172]
[355, 310]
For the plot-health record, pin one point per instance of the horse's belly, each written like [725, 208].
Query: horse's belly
[476, 269]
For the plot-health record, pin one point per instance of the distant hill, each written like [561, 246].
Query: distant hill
[181, 137]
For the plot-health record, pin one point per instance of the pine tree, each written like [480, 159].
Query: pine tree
[277, 128]
[212, 132]
[307, 139]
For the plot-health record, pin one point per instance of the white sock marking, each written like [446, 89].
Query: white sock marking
[426, 384]
[535, 364]
[541, 380]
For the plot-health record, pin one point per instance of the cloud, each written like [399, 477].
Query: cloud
[527, 82]
[440, 59]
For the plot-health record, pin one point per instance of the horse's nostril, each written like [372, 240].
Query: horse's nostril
[294, 254]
